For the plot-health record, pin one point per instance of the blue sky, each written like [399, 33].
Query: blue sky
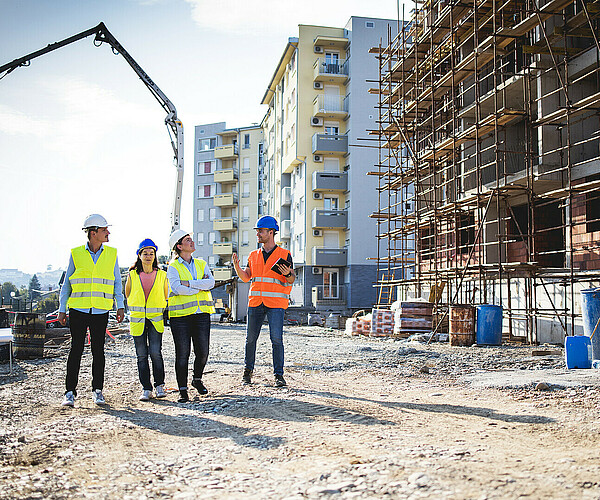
[79, 133]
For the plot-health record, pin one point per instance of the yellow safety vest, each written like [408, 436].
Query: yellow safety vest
[152, 309]
[93, 285]
[184, 305]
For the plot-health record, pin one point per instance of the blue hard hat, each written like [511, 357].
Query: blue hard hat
[147, 243]
[267, 222]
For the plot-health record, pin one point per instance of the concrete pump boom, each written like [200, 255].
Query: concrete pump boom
[174, 126]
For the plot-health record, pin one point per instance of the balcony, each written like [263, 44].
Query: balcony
[329, 219]
[285, 229]
[331, 106]
[286, 196]
[326, 295]
[324, 143]
[226, 152]
[222, 273]
[329, 181]
[226, 248]
[329, 257]
[226, 176]
[225, 200]
[330, 71]
[225, 224]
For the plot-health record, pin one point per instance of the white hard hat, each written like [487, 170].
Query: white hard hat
[176, 236]
[95, 220]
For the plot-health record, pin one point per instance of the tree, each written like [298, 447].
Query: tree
[7, 288]
[34, 285]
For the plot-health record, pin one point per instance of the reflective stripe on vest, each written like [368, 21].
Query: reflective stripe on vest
[92, 285]
[268, 287]
[184, 305]
[142, 309]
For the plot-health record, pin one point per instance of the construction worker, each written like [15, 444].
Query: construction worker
[147, 291]
[190, 307]
[269, 295]
[92, 282]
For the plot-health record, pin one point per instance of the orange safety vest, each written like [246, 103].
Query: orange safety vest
[268, 287]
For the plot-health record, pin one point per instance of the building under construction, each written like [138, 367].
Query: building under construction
[489, 167]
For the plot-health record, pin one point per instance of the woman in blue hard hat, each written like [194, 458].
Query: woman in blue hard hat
[190, 307]
[147, 290]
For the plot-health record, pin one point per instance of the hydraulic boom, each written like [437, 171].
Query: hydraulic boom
[174, 126]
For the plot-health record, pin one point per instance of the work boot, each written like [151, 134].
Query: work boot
[247, 376]
[183, 396]
[199, 386]
[280, 381]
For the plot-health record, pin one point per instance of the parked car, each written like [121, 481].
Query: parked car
[219, 315]
[52, 320]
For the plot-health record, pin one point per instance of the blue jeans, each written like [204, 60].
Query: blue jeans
[149, 343]
[194, 328]
[256, 316]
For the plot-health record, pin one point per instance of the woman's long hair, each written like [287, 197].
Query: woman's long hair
[139, 267]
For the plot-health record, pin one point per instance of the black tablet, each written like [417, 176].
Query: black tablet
[278, 263]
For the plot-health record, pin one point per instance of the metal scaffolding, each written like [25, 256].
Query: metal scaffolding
[489, 158]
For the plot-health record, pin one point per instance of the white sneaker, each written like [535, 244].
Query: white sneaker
[146, 395]
[98, 398]
[160, 391]
[69, 399]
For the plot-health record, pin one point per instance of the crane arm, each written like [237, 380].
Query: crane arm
[174, 125]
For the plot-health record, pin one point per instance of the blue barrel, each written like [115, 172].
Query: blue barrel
[590, 312]
[489, 325]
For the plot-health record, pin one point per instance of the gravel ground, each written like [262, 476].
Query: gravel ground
[360, 418]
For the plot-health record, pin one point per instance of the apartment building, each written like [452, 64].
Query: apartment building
[316, 159]
[227, 187]
[490, 160]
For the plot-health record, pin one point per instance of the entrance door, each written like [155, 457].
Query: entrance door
[332, 98]
[331, 287]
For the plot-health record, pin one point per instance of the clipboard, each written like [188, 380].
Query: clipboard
[279, 262]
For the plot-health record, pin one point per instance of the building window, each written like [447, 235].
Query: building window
[246, 190]
[207, 144]
[245, 240]
[208, 167]
[245, 214]
[200, 238]
[369, 24]
[206, 191]
[302, 204]
[330, 202]
[200, 215]
[212, 214]
[212, 238]
[246, 166]
[212, 261]
[246, 141]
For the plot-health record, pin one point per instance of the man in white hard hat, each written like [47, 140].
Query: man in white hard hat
[92, 282]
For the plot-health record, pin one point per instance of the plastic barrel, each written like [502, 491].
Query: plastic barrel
[578, 352]
[489, 324]
[590, 312]
[29, 331]
[462, 326]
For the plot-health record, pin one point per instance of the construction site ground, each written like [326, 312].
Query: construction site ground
[361, 418]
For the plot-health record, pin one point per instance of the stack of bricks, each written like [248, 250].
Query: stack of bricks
[382, 323]
[358, 326]
[413, 317]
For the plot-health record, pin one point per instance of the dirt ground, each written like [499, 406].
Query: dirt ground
[360, 418]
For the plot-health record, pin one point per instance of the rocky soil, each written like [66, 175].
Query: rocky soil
[360, 418]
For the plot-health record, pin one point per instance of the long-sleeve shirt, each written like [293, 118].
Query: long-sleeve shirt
[65, 291]
[206, 282]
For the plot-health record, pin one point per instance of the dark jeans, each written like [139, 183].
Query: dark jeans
[149, 343]
[256, 316]
[194, 327]
[79, 323]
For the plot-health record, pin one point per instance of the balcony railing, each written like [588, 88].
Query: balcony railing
[330, 181]
[286, 227]
[329, 143]
[226, 248]
[226, 152]
[225, 224]
[225, 200]
[329, 257]
[334, 105]
[329, 219]
[331, 70]
[327, 295]
[222, 273]
[286, 195]
[226, 175]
